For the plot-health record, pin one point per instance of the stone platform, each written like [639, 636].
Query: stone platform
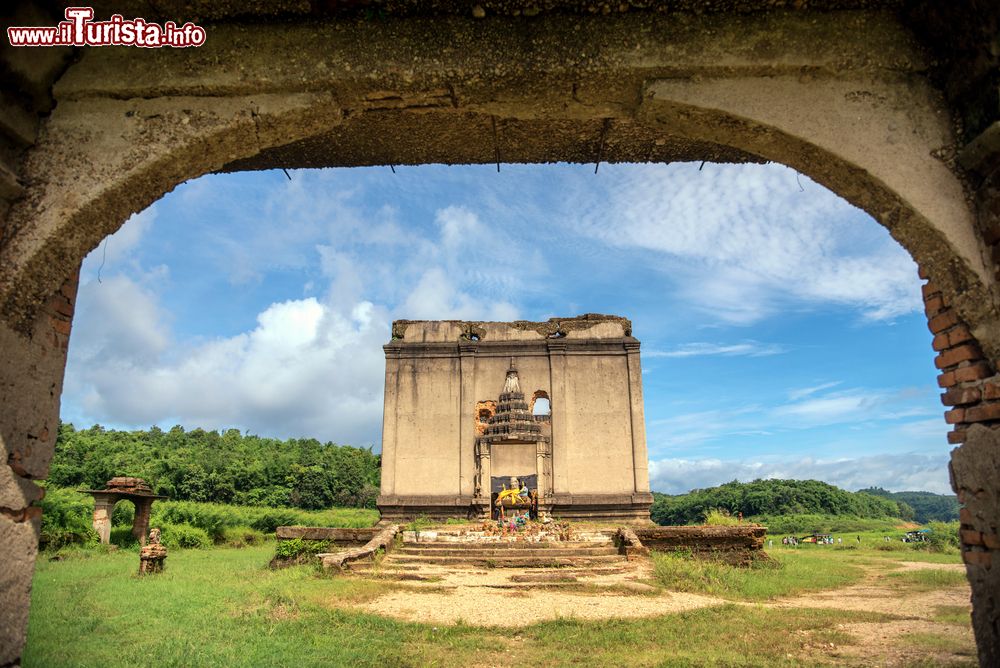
[557, 545]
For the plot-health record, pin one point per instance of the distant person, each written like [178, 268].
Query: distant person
[859, 539]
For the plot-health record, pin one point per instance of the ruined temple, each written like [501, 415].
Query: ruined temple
[555, 407]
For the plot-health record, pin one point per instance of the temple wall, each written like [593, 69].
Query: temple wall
[598, 431]
[427, 454]
[437, 372]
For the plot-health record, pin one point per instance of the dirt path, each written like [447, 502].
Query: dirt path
[918, 637]
[472, 596]
[875, 594]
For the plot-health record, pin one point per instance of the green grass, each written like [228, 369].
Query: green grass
[873, 546]
[938, 642]
[790, 572]
[928, 580]
[952, 614]
[800, 525]
[223, 607]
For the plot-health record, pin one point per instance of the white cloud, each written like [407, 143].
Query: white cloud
[306, 369]
[742, 241]
[120, 319]
[895, 472]
[810, 408]
[702, 349]
[311, 366]
[803, 392]
[850, 406]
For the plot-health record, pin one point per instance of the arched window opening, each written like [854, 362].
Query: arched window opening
[540, 404]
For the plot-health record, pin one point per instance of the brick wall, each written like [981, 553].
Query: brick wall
[972, 394]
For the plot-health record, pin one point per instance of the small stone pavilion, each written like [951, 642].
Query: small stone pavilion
[474, 407]
[135, 490]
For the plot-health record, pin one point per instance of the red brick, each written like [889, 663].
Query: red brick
[960, 396]
[939, 323]
[934, 305]
[959, 334]
[947, 379]
[971, 537]
[983, 413]
[991, 389]
[976, 371]
[978, 558]
[963, 353]
[954, 416]
[992, 541]
[965, 516]
[940, 342]
[929, 289]
[956, 437]
[61, 326]
[63, 307]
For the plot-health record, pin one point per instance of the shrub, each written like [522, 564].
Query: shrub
[269, 519]
[216, 517]
[419, 523]
[242, 536]
[943, 536]
[183, 535]
[720, 517]
[298, 547]
[122, 537]
[123, 514]
[67, 519]
[208, 517]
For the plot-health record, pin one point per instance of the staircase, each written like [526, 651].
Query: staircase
[519, 554]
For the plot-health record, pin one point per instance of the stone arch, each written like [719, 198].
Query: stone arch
[845, 99]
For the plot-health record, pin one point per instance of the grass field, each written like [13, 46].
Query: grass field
[224, 607]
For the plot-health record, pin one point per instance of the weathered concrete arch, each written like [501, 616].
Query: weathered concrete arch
[848, 97]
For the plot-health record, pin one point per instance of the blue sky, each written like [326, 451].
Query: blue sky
[781, 327]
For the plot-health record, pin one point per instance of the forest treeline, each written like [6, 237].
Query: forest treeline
[220, 467]
[927, 506]
[774, 498]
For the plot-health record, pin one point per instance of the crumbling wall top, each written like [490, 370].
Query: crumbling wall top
[588, 325]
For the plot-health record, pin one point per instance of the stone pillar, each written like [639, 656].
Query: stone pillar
[640, 458]
[140, 526]
[969, 361]
[467, 417]
[543, 454]
[557, 404]
[484, 472]
[389, 417]
[975, 469]
[32, 364]
[104, 506]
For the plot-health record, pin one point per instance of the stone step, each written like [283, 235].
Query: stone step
[533, 561]
[518, 545]
[503, 553]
